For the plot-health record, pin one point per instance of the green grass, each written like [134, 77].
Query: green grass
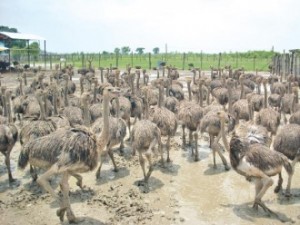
[250, 60]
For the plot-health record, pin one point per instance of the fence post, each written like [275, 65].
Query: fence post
[254, 62]
[131, 59]
[117, 59]
[149, 60]
[237, 60]
[183, 61]
[99, 58]
[82, 60]
[50, 59]
[201, 59]
[219, 61]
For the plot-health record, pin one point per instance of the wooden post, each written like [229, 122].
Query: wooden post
[131, 59]
[99, 62]
[149, 57]
[201, 60]
[183, 61]
[254, 62]
[219, 61]
[50, 58]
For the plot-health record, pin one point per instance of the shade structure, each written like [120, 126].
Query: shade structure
[3, 48]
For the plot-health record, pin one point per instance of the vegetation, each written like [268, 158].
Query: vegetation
[250, 60]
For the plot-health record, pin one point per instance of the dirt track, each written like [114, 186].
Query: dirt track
[185, 192]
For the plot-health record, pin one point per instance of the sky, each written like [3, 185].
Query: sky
[210, 26]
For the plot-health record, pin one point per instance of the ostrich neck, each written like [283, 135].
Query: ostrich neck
[8, 108]
[4, 103]
[161, 96]
[66, 95]
[21, 87]
[42, 108]
[223, 135]
[229, 99]
[242, 90]
[138, 82]
[200, 95]
[117, 108]
[86, 118]
[81, 86]
[25, 80]
[95, 93]
[258, 89]
[194, 77]
[101, 76]
[266, 96]
[55, 113]
[157, 73]
[189, 91]
[132, 86]
[104, 135]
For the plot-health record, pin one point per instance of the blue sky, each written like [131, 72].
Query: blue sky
[187, 25]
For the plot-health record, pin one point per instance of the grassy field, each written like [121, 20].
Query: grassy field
[182, 61]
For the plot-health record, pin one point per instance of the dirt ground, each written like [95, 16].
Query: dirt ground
[184, 192]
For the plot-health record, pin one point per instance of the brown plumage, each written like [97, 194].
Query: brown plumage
[67, 152]
[165, 120]
[257, 162]
[8, 136]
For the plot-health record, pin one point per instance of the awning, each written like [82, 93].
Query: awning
[3, 48]
[21, 36]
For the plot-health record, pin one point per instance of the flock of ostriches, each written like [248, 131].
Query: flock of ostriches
[66, 135]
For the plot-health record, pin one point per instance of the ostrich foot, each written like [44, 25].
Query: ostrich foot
[79, 184]
[98, 175]
[169, 160]
[196, 159]
[116, 170]
[14, 182]
[288, 194]
[277, 189]
[215, 166]
[71, 217]
[227, 168]
[263, 206]
[61, 213]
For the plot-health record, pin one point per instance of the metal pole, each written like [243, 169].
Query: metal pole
[45, 53]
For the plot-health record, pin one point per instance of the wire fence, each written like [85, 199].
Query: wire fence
[147, 61]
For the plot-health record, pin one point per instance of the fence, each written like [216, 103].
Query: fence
[286, 63]
[179, 60]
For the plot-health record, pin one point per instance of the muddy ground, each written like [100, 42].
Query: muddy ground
[184, 192]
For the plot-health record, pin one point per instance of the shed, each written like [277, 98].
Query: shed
[6, 36]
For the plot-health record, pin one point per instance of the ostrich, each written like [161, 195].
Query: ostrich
[67, 152]
[189, 116]
[165, 120]
[257, 162]
[144, 136]
[268, 117]
[8, 136]
[212, 124]
[74, 114]
[287, 141]
[37, 128]
[117, 133]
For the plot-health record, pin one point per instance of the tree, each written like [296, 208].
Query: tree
[125, 50]
[8, 29]
[34, 49]
[140, 50]
[117, 51]
[155, 50]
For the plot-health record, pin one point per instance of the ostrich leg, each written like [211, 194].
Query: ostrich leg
[196, 147]
[7, 162]
[183, 136]
[261, 186]
[65, 204]
[168, 148]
